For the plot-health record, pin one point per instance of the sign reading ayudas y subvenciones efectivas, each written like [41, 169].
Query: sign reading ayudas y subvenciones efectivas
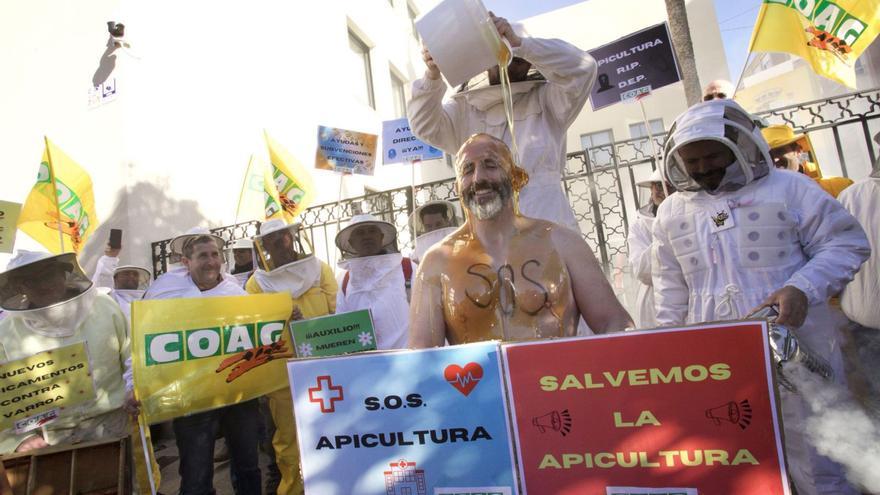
[36, 390]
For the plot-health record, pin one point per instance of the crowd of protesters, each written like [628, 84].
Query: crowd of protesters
[739, 217]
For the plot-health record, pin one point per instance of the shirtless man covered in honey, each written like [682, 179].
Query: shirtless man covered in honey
[502, 275]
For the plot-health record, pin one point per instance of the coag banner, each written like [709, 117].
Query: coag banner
[635, 64]
[36, 390]
[419, 422]
[691, 409]
[333, 335]
[400, 145]
[191, 355]
[346, 151]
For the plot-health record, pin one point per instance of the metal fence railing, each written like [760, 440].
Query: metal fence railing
[600, 183]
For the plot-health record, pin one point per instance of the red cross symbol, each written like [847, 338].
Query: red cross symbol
[324, 396]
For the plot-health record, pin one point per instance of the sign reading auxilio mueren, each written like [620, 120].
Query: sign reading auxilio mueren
[423, 422]
[691, 409]
[635, 64]
[36, 390]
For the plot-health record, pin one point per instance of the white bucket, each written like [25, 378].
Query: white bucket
[462, 39]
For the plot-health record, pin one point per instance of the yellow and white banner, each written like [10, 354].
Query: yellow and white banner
[193, 355]
[35, 390]
[830, 36]
[62, 199]
[293, 183]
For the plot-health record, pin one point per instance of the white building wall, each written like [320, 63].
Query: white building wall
[171, 150]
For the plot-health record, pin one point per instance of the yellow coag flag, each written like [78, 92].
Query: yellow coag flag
[292, 180]
[828, 35]
[271, 203]
[196, 354]
[62, 195]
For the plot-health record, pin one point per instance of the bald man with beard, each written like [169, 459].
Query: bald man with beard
[502, 275]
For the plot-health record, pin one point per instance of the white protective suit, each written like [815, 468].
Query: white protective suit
[177, 284]
[104, 278]
[781, 229]
[376, 283]
[543, 111]
[860, 298]
[639, 241]
[104, 331]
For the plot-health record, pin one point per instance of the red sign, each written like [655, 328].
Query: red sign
[683, 408]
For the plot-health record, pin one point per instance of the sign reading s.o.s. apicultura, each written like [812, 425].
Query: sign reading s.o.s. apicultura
[429, 422]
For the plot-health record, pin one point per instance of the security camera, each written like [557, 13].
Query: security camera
[116, 29]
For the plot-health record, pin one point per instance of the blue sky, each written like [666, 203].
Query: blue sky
[735, 19]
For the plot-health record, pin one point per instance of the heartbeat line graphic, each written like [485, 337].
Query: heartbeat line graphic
[464, 380]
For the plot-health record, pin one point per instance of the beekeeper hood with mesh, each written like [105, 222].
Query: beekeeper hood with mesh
[285, 259]
[431, 222]
[715, 147]
[50, 294]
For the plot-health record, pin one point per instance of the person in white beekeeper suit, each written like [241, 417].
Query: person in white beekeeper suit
[51, 303]
[377, 278]
[194, 434]
[175, 248]
[127, 283]
[859, 298]
[240, 259]
[543, 108]
[431, 222]
[177, 280]
[639, 242]
[740, 234]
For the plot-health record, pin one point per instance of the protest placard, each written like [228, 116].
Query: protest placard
[8, 219]
[691, 409]
[400, 145]
[333, 335]
[428, 421]
[346, 151]
[196, 354]
[636, 64]
[36, 390]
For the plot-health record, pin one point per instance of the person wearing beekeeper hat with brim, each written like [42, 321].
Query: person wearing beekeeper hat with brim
[639, 242]
[240, 259]
[285, 262]
[377, 278]
[51, 303]
[739, 235]
[431, 222]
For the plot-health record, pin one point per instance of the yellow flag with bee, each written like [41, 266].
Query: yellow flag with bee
[830, 36]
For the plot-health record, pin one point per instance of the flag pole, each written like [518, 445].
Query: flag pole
[247, 174]
[650, 137]
[54, 193]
